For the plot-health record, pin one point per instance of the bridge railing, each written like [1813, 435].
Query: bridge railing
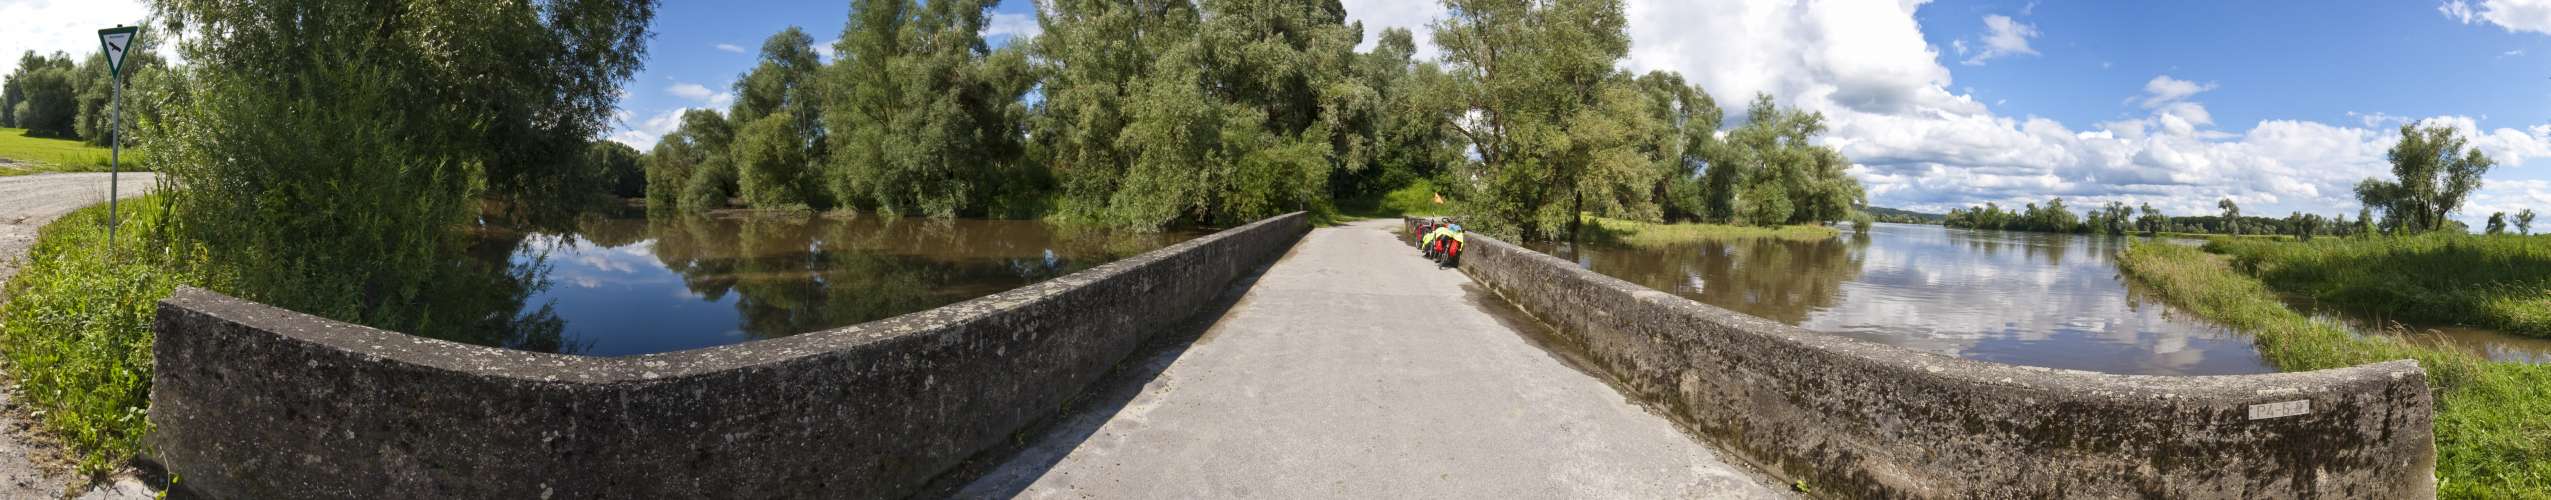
[1859, 419]
[252, 401]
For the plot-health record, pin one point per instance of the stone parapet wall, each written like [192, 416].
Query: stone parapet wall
[252, 401]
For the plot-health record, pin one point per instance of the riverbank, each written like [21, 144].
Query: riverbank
[2490, 439]
[1632, 233]
[2499, 282]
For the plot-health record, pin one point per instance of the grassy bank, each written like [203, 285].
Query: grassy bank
[2498, 282]
[76, 329]
[2491, 438]
[1643, 234]
[32, 155]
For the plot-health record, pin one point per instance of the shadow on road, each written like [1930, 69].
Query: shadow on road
[1005, 471]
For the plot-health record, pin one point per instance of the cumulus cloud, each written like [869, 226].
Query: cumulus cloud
[2002, 37]
[66, 26]
[2164, 90]
[701, 93]
[1917, 144]
[729, 47]
[1015, 26]
[644, 135]
[825, 51]
[1417, 16]
[2515, 16]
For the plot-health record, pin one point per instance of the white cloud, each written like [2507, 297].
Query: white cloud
[729, 47]
[2511, 53]
[644, 135]
[67, 26]
[1015, 26]
[2164, 90]
[701, 93]
[1417, 16]
[2002, 37]
[826, 51]
[2515, 16]
[2457, 10]
[1917, 144]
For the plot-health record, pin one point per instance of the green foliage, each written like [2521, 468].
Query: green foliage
[1860, 222]
[699, 144]
[2524, 222]
[2489, 434]
[1228, 112]
[2501, 282]
[925, 118]
[43, 95]
[616, 166]
[1771, 174]
[78, 327]
[2432, 176]
[1553, 126]
[281, 168]
[1629, 233]
[771, 163]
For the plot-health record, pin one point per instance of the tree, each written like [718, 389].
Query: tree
[42, 96]
[2497, 223]
[2152, 222]
[2432, 175]
[616, 170]
[925, 118]
[2524, 222]
[692, 158]
[1410, 140]
[2365, 221]
[1527, 76]
[2231, 216]
[775, 159]
[317, 165]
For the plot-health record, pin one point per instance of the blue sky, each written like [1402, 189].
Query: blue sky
[2279, 105]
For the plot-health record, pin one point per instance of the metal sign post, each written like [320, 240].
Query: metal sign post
[117, 41]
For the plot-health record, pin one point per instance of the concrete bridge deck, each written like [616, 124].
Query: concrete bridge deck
[1354, 368]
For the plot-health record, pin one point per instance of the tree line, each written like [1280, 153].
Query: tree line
[59, 97]
[1159, 113]
[2433, 173]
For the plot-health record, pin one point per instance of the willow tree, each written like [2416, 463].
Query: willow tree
[1162, 112]
[2432, 175]
[1542, 108]
[327, 153]
[778, 125]
[1687, 121]
[927, 118]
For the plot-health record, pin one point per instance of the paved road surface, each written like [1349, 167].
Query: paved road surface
[1353, 368]
[29, 467]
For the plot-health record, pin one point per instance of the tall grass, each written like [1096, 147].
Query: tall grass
[1644, 234]
[2500, 282]
[2492, 437]
[76, 328]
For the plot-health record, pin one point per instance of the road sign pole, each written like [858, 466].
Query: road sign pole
[114, 43]
[114, 159]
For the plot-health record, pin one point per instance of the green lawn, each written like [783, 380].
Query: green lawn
[27, 155]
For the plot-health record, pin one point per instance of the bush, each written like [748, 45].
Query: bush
[1860, 222]
[1418, 198]
[78, 328]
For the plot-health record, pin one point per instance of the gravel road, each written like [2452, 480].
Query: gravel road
[31, 466]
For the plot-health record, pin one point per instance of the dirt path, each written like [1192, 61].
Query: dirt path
[31, 466]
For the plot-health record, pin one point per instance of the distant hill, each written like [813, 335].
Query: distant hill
[1885, 214]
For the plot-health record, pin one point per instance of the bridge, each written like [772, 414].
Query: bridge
[1270, 359]
[1355, 368]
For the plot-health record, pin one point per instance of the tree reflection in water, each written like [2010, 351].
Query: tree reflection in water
[767, 276]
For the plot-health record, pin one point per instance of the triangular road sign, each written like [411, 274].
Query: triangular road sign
[117, 40]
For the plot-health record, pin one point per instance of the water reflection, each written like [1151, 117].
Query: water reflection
[621, 286]
[2022, 298]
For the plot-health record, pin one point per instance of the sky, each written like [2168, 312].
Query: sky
[2281, 106]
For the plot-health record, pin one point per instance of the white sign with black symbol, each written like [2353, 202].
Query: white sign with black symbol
[2266, 411]
[117, 41]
